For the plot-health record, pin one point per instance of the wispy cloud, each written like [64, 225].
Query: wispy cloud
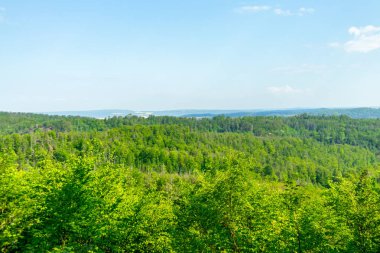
[365, 39]
[302, 11]
[305, 11]
[283, 90]
[282, 12]
[254, 8]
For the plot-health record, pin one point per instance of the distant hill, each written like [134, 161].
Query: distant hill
[358, 113]
[99, 114]
[363, 113]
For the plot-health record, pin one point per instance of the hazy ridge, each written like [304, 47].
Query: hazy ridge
[362, 112]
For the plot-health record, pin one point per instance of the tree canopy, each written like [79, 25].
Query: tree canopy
[166, 184]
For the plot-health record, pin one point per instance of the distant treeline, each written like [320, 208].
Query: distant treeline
[326, 129]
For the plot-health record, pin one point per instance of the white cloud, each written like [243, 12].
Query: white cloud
[357, 31]
[365, 39]
[276, 10]
[254, 8]
[281, 90]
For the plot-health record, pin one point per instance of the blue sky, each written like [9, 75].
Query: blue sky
[198, 54]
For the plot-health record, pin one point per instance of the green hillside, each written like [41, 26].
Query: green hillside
[167, 184]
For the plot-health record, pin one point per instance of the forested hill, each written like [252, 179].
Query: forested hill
[169, 184]
[326, 129]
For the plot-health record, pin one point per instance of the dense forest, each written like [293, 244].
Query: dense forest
[169, 184]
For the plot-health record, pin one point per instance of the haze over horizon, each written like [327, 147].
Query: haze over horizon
[167, 55]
